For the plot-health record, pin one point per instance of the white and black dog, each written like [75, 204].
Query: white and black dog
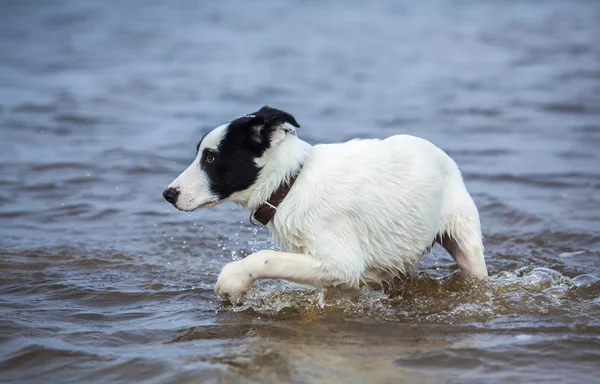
[359, 211]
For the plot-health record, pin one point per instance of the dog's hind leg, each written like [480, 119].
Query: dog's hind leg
[462, 239]
[237, 277]
[469, 259]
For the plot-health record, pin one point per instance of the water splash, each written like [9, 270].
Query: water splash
[534, 291]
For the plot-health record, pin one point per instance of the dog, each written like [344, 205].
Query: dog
[342, 214]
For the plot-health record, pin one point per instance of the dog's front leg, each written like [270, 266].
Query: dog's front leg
[237, 277]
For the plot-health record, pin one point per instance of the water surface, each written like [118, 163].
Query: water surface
[101, 104]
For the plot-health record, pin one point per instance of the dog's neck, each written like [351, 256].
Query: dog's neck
[278, 164]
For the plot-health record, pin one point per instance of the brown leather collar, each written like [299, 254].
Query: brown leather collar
[267, 210]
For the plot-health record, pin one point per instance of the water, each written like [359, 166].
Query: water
[101, 104]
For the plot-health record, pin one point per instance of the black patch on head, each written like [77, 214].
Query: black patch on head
[233, 168]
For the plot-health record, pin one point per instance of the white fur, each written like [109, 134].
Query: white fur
[373, 205]
[192, 183]
[360, 210]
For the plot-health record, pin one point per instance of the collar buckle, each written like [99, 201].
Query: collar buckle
[265, 212]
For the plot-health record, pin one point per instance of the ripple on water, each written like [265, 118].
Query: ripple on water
[100, 110]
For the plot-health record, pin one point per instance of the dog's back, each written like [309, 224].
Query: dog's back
[376, 205]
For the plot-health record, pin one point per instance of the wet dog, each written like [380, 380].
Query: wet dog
[364, 210]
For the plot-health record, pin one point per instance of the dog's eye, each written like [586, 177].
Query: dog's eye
[209, 157]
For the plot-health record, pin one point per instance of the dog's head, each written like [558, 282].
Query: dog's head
[228, 159]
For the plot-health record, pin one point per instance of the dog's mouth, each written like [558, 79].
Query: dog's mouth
[208, 204]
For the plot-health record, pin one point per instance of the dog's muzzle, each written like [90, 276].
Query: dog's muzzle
[171, 195]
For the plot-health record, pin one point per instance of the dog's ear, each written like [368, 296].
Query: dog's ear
[269, 124]
[276, 116]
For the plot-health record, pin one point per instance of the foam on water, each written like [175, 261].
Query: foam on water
[528, 290]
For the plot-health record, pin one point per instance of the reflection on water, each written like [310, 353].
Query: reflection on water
[100, 105]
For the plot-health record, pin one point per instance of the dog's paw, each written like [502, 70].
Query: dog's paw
[233, 281]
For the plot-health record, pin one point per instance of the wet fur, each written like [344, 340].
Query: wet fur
[364, 210]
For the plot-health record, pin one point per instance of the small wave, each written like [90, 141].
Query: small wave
[34, 108]
[580, 74]
[472, 111]
[104, 214]
[13, 214]
[90, 317]
[231, 331]
[570, 179]
[492, 152]
[40, 187]
[58, 166]
[83, 180]
[587, 128]
[35, 360]
[585, 280]
[567, 108]
[508, 214]
[68, 210]
[139, 170]
[395, 122]
[76, 119]
[151, 213]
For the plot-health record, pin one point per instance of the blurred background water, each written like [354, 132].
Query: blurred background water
[102, 103]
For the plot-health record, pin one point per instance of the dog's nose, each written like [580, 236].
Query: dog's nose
[171, 195]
